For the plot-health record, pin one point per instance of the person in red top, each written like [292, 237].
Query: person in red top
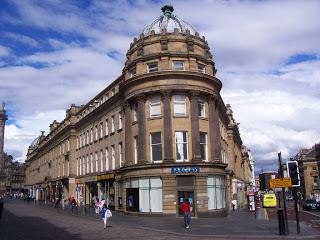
[185, 208]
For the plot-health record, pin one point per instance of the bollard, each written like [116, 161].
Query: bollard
[281, 221]
[1, 208]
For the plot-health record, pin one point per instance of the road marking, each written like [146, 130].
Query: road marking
[266, 214]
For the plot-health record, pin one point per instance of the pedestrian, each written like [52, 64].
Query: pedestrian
[73, 204]
[63, 203]
[105, 215]
[185, 208]
[234, 204]
[97, 206]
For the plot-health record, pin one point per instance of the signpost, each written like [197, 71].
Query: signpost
[280, 182]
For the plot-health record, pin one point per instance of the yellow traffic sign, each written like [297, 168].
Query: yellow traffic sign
[280, 182]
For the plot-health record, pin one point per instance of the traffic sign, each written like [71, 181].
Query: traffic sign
[280, 182]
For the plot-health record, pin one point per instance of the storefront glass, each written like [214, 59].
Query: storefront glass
[216, 192]
[144, 194]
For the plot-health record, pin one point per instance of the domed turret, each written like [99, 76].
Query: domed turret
[169, 23]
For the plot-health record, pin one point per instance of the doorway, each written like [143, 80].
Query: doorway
[182, 195]
[133, 199]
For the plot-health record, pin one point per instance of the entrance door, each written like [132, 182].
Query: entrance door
[182, 195]
[133, 199]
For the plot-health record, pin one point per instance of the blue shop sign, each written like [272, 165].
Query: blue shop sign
[185, 170]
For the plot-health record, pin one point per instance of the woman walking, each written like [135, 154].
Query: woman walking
[105, 214]
[185, 208]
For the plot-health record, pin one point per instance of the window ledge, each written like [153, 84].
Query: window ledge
[180, 116]
[203, 118]
[155, 117]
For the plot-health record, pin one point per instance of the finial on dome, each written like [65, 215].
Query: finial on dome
[167, 10]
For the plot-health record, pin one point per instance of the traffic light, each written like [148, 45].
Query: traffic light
[293, 173]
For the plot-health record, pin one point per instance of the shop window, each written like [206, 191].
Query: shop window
[201, 109]
[216, 192]
[178, 65]
[179, 102]
[201, 68]
[155, 106]
[203, 146]
[181, 140]
[156, 146]
[153, 67]
[144, 194]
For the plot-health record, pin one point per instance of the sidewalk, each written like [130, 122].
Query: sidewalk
[238, 224]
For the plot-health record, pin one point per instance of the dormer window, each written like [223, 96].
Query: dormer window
[178, 65]
[153, 67]
[201, 68]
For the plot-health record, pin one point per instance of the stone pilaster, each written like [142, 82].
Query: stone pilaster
[127, 133]
[141, 99]
[214, 132]
[195, 133]
[167, 126]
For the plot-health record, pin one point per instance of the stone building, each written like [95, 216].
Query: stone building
[309, 161]
[264, 179]
[158, 134]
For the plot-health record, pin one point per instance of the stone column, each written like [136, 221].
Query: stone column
[167, 126]
[141, 129]
[127, 134]
[214, 132]
[195, 133]
[3, 118]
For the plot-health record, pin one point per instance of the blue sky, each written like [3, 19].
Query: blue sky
[54, 53]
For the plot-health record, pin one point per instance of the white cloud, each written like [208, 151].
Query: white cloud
[276, 104]
[4, 51]
[19, 135]
[21, 38]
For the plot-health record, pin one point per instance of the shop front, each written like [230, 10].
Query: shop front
[204, 187]
[91, 190]
[80, 191]
[106, 189]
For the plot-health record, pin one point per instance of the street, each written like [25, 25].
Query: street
[25, 221]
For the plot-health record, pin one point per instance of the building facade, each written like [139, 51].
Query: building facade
[157, 135]
[309, 161]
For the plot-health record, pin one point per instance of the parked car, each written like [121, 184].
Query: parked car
[310, 204]
[290, 198]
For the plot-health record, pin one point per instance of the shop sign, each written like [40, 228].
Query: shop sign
[106, 176]
[185, 170]
[78, 180]
[90, 179]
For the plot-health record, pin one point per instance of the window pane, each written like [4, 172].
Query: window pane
[152, 67]
[156, 200]
[156, 138]
[202, 137]
[178, 65]
[144, 204]
[156, 182]
[144, 183]
[157, 152]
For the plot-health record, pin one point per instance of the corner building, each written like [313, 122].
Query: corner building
[158, 134]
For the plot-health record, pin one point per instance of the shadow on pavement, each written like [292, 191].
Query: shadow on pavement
[31, 228]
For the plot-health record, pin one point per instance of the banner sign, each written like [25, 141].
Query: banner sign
[185, 170]
[280, 182]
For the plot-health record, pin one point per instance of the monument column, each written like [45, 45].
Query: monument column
[3, 118]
